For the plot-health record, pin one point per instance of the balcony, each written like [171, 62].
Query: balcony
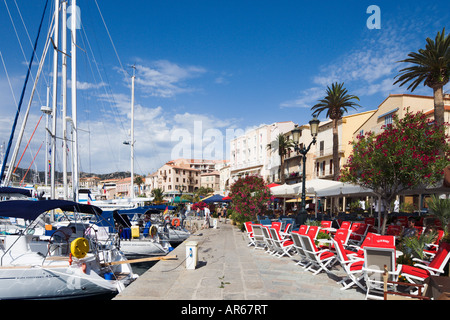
[328, 152]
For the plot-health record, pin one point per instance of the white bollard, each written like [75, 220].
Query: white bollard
[191, 254]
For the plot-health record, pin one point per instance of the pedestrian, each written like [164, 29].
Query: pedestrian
[207, 216]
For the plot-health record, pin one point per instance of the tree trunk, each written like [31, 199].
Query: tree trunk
[439, 105]
[336, 167]
[282, 178]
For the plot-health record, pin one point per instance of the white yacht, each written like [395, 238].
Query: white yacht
[32, 268]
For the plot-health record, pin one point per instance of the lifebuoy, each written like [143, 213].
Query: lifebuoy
[152, 231]
[176, 222]
[79, 247]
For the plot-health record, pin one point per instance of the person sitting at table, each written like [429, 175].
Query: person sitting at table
[410, 230]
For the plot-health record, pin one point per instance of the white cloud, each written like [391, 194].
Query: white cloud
[167, 79]
[366, 70]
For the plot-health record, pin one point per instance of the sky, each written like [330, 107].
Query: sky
[206, 71]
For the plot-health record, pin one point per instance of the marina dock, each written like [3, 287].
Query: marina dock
[228, 269]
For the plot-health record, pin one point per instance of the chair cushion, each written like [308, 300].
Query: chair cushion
[326, 255]
[416, 272]
[288, 243]
[357, 265]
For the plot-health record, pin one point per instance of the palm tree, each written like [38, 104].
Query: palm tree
[158, 195]
[138, 180]
[432, 67]
[282, 145]
[336, 103]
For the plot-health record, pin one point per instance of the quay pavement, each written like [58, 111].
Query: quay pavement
[227, 269]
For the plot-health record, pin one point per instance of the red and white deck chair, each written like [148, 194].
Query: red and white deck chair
[276, 225]
[258, 236]
[312, 232]
[345, 225]
[325, 225]
[319, 259]
[282, 246]
[298, 247]
[341, 235]
[375, 258]
[359, 232]
[420, 271]
[303, 229]
[270, 246]
[249, 232]
[432, 248]
[374, 240]
[351, 265]
[287, 230]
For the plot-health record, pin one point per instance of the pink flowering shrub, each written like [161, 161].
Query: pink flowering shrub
[249, 198]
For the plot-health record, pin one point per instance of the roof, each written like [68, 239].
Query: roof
[30, 210]
[11, 190]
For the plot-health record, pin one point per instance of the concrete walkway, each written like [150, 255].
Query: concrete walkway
[228, 269]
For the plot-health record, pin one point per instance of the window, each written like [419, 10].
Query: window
[331, 166]
[388, 119]
[322, 147]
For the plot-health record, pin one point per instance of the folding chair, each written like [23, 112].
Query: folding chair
[270, 246]
[276, 225]
[345, 225]
[312, 232]
[282, 246]
[258, 237]
[326, 225]
[321, 259]
[420, 271]
[359, 232]
[396, 295]
[303, 229]
[351, 265]
[432, 248]
[374, 261]
[249, 232]
[394, 230]
[297, 245]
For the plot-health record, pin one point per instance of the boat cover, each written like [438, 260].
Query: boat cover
[30, 210]
[11, 190]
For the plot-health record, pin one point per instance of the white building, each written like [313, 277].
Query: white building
[249, 153]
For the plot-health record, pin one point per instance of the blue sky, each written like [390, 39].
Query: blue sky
[225, 66]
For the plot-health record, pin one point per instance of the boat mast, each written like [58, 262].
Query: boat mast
[54, 99]
[74, 20]
[132, 132]
[64, 93]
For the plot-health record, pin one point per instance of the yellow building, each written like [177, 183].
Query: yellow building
[323, 153]
[398, 104]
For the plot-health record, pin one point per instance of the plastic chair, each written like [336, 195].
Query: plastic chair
[321, 259]
[249, 232]
[359, 232]
[258, 237]
[312, 232]
[297, 245]
[420, 271]
[270, 246]
[282, 246]
[375, 258]
[351, 265]
[345, 225]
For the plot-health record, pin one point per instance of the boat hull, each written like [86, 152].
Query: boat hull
[52, 283]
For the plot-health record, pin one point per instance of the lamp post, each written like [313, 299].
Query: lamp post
[296, 133]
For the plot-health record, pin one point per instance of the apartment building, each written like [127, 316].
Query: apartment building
[399, 104]
[210, 180]
[249, 153]
[323, 153]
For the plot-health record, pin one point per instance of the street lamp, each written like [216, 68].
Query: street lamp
[296, 133]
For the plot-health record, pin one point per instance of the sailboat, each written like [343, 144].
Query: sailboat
[82, 267]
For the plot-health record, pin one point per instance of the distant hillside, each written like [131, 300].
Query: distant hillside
[32, 177]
